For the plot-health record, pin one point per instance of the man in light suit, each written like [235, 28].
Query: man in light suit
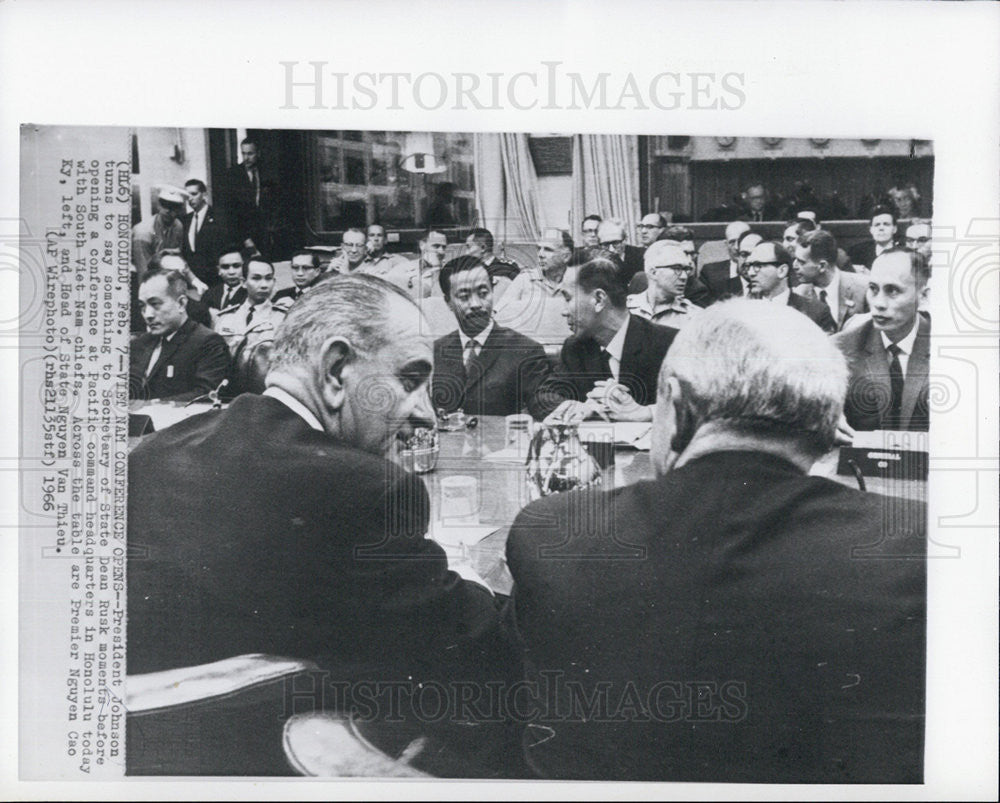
[733, 619]
[177, 359]
[889, 354]
[820, 279]
[483, 368]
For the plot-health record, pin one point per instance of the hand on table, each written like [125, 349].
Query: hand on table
[617, 401]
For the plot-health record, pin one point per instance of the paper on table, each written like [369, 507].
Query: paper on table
[890, 439]
[456, 535]
[634, 434]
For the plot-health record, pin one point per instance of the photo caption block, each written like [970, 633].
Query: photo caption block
[75, 239]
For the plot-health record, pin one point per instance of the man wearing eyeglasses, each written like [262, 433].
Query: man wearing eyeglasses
[719, 277]
[650, 228]
[668, 269]
[589, 231]
[918, 238]
[767, 268]
[612, 237]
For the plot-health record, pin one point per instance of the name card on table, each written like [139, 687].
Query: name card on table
[886, 453]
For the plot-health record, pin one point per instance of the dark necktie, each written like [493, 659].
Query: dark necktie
[256, 186]
[822, 296]
[227, 298]
[896, 383]
[250, 315]
[606, 364]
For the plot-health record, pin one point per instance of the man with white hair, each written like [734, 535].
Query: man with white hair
[162, 231]
[283, 526]
[668, 269]
[733, 619]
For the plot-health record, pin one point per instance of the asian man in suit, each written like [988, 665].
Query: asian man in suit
[611, 361]
[178, 359]
[483, 368]
[889, 354]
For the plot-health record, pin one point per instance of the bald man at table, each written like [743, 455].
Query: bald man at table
[733, 619]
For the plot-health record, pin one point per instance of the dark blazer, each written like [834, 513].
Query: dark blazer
[869, 391]
[770, 625]
[633, 261]
[505, 378]
[244, 217]
[209, 241]
[213, 296]
[715, 277]
[580, 363]
[291, 293]
[815, 310]
[862, 253]
[249, 531]
[193, 362]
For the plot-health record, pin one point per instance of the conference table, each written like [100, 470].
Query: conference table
[490, 465]
[503, 489]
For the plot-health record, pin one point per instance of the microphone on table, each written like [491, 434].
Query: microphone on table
[212, 396]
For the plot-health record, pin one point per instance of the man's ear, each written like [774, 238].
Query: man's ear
[600, 297]
[684, 426]
[335, 354]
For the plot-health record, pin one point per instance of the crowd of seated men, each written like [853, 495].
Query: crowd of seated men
[585, 304]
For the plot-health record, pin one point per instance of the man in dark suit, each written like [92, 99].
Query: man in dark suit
[204, 236]
[723, 278]
[177, 359]
[246, 199]
[306, 271]
[733, 619]
[229, 292]
[611, 361]
[758, 204]
[281, 525]
[767, 270]
[483, 368]
[612, 236]
[883, 231]
[821, 280]
[889, 354]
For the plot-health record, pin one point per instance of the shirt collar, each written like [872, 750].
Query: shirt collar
[480, 338]
[782, 297]
[906, 344]
[295, 406]
[617, 344]
[833, 288]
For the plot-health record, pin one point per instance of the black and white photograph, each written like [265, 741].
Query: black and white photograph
[429, 417]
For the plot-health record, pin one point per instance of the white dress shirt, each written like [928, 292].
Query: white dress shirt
[480, 341]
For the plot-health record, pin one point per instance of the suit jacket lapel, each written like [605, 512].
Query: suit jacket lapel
[849, 301]
[631, 349]
[876, 371]
[451, 360]
[916, 372]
